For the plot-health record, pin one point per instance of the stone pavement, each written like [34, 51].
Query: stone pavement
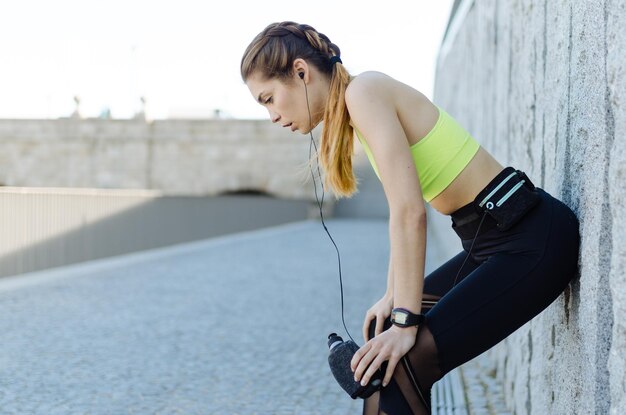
[484, 394]
[231, 325]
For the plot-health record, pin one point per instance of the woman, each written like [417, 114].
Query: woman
[520, 244]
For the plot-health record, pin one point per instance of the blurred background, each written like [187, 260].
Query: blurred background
[131, 115]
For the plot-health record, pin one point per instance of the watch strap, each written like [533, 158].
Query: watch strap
[405, 318]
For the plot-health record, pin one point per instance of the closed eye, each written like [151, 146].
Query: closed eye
[269, 100]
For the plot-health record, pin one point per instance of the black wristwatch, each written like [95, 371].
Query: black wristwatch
[404, 318]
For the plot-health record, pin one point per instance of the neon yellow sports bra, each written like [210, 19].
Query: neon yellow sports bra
[440, 156]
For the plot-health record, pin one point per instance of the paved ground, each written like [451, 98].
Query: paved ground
[236, 324]
[484, 394]
[232, 325]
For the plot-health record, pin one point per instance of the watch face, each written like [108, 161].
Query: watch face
[400, 317]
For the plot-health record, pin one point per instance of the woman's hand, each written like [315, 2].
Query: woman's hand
[381, 310]
[390, 345]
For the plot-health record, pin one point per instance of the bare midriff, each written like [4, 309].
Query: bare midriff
[466, 186]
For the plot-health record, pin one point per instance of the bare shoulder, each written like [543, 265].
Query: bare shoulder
[369, 95]
[367, 84]
[377, 85]
[371, 77]
[372, 93]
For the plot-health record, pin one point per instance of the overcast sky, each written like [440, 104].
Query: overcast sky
[183, 56]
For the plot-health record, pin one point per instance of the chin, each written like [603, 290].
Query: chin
[303, 130]
[308, 129]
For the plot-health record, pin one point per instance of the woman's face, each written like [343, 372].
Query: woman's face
[286, 102]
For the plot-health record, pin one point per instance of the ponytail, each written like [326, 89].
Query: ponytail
[337, 142]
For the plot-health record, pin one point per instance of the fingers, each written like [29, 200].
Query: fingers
[364, 357]
[391, 367]
[366, 327]
[371, 370]
[368, 359]
[372, 361]
[379, 325]
[356, 359]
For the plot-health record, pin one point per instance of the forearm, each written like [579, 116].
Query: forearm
[389, 292]
[408, 255]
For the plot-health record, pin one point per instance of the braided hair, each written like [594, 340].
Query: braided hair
[272, 53]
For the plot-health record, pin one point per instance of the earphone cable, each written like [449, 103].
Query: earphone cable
[470, 250]
[320, 203]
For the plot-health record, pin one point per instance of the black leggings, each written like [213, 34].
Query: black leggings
[510, 277]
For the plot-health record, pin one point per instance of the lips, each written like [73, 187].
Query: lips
[293, 127]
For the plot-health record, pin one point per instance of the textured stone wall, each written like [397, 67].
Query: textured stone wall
[177, 157]
[541, 85]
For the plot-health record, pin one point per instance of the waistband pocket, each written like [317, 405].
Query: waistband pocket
[507, 198]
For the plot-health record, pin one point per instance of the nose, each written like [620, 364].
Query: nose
[273, 116]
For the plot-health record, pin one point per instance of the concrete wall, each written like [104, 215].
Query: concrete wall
[541, 85]
[177, 157]
[73, 190]
[76, 189]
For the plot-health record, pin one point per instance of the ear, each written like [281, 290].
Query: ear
[301, 66]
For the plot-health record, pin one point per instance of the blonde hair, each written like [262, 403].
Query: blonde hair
[272, 53]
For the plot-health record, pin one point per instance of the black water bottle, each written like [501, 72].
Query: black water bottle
[339, 357]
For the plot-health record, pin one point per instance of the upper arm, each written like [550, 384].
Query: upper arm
[372, 110]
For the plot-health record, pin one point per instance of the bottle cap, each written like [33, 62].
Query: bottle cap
[334, 340]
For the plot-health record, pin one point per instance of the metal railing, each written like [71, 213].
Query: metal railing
[50, 227]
